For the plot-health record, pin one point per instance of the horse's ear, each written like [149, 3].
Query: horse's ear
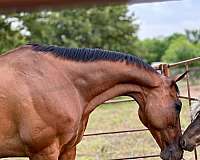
[180, 77]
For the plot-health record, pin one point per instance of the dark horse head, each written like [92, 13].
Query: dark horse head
[160, 114]
[191, 136]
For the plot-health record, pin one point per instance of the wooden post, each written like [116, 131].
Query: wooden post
[166, 71]
[164, 68]
[189, 100]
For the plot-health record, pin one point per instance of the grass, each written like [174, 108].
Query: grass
[120, 117]
[113, 118]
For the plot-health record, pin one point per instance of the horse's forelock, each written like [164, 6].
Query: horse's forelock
[195, 109]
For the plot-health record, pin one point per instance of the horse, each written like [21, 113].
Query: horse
[48, 92]
[191, 136]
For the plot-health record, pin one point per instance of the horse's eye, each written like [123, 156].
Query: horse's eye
[178, 106]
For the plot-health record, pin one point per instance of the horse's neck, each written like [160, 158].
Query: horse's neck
[100, 81]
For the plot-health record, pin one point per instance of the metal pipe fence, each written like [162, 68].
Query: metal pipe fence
[165, 70]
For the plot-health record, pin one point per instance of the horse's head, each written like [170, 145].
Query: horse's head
[159, 112]
[191, 136]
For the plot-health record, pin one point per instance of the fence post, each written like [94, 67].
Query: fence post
[166, 71]
[164, 68]
[189, 100]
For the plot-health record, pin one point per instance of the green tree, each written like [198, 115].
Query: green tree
[152, 49]
[173, 37]
[102, 27]
[193, 35]
[180, 49]
[9, 38]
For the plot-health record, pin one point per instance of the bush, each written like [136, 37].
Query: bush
[181, 49]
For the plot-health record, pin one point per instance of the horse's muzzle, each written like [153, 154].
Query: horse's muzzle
[172, 153]
[186, 145]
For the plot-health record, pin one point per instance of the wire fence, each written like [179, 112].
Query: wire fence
[165, 70]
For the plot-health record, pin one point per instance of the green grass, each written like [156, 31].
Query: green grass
[120, 117]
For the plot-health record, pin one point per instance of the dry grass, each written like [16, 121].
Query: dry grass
[119, 117]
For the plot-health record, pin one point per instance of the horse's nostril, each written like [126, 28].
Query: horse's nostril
[183, 143]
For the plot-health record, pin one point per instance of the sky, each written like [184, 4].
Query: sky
[163, 19]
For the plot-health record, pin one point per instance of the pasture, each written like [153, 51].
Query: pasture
[121, 116]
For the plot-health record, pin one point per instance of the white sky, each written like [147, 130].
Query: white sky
[162, 19]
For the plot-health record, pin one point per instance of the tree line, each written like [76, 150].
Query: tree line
[99, 27]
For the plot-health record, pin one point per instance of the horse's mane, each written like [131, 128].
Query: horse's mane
[195, 109]
[89, 55]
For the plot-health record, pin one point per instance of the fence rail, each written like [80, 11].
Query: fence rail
[165, 69]
[138, 157]
[115, 132]
[186, 62]
[130, 99]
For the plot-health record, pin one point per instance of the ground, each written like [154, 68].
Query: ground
[195, 91]
[121, 117]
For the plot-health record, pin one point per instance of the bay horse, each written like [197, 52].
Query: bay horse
[47, 94]
[191, 136]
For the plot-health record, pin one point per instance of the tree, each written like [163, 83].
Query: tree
[102, 27]
[152, 49]
[173, 37]
[180, 49]
[9, 38]
[193, 35]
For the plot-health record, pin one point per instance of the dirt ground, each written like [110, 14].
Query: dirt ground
[194, 90]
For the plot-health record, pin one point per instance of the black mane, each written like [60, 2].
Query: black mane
[89, 55]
